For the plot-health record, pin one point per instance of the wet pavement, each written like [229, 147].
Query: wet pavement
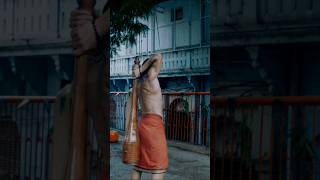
[183, 165]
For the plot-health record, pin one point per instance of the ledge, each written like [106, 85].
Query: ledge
[225, 36]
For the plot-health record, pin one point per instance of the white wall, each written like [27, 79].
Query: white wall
[5, 19]
[37, 19]
[268, 11]
[165, 34]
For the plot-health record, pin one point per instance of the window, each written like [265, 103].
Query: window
[204, 23]
[40, 25]
[203, 8]
[48, 21]
[4, 5]
[176, 14]
[24, 24]
[172, 15]
[4, 25]
[17, 25]
[62, 20]
[31, 23]
[179, 14]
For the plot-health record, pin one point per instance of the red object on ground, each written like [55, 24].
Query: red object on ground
[114, 136]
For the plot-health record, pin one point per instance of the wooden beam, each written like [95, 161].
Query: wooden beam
[79, 156]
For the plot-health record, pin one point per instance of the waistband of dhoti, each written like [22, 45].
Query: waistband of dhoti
[151, 115]
[153, 171]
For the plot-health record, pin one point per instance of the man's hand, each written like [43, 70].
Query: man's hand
[82, 32]
[136, 71]
[136, 68]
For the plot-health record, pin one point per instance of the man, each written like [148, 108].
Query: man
[153, 144]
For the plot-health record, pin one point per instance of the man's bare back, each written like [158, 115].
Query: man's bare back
[151, 97]
[149, 87]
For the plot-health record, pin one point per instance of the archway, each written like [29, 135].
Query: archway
[179, 121]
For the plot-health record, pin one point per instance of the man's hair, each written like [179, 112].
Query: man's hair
[145, 61]
[146, 71]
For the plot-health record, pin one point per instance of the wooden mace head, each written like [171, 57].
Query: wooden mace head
[136, 60]
[87, 4]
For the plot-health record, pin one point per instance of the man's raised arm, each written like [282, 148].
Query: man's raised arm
[152, 66]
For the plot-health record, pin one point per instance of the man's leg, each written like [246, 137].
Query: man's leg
[136, 175]
[159, 176]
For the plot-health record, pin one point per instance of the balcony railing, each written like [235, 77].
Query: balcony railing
[180, 62]
[186, 116]
[266, 138]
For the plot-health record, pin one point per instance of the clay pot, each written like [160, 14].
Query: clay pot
[114, 136]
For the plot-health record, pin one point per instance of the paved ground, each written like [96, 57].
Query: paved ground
[183, 165]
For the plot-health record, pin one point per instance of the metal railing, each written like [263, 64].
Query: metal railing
[26, 137]
[191, 60]
[186, 116]
[27, 124]
[266, 138]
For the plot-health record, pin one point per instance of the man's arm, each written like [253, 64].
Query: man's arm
[135, 74]
[153, 66]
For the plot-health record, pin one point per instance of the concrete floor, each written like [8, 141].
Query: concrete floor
[183, 165]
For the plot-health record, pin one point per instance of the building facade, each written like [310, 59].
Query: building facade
[263, 50]
[36, 57]
[35, 39]
[265, 47]
[180, 31]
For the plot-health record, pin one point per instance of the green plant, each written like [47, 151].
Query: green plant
[125, 22]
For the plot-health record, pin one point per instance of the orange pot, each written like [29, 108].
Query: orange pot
[114, 136]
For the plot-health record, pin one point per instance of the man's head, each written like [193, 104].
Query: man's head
[145, 61]
[146, 71]
[136, 60]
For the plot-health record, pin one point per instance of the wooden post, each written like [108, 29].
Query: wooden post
[79, 162]
[98, 101]
[131, 145]
[62, 134]
[86, 100]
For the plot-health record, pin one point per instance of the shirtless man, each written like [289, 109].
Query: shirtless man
[153, 144]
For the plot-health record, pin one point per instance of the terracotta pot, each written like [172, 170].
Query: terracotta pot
[114, 136]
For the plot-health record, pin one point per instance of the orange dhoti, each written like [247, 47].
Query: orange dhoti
[153, 145]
